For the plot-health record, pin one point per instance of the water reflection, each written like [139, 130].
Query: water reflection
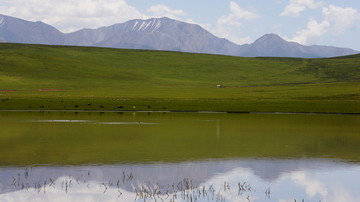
[91, 156]
[221, 180]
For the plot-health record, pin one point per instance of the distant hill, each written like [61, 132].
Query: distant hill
[272, 45]
[21, 31]
[160, 34]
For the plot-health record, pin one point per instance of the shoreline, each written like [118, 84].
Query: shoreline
[175, 111]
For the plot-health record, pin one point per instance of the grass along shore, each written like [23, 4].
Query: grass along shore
[37, 77]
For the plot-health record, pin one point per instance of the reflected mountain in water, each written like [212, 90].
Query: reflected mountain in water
[260, 175]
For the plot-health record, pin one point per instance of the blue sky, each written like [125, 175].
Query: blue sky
[309, 22]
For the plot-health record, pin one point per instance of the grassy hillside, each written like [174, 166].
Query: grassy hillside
[54, 77]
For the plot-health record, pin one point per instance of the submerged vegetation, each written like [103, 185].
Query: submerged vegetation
[37, 77]
[185, 190]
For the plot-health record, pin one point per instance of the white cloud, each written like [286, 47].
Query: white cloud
[228, 26]
[295, 7]
[336, 20]
[312, 33]
[341, 18]
[164, 11]
[236, 15]
[69, 15]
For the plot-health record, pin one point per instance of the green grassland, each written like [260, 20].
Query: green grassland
[38, 77]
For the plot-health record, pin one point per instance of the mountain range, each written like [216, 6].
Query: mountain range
[159, 34]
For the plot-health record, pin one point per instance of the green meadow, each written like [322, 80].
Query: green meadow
[38, 77]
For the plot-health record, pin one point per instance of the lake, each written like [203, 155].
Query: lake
[160, 156]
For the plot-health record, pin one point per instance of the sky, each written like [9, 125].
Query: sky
[309, 22]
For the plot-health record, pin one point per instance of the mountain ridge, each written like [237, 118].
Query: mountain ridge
[160, 34]
[12, 30]
[155, 34]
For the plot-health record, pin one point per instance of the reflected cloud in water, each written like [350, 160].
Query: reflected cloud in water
[222, 180]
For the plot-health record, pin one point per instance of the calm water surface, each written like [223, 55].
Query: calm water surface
[94, 156]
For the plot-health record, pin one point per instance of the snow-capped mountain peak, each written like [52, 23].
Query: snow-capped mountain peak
[151, 25]
[2, 21]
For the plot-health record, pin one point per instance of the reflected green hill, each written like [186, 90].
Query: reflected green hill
[108, 138]
[57, 78]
